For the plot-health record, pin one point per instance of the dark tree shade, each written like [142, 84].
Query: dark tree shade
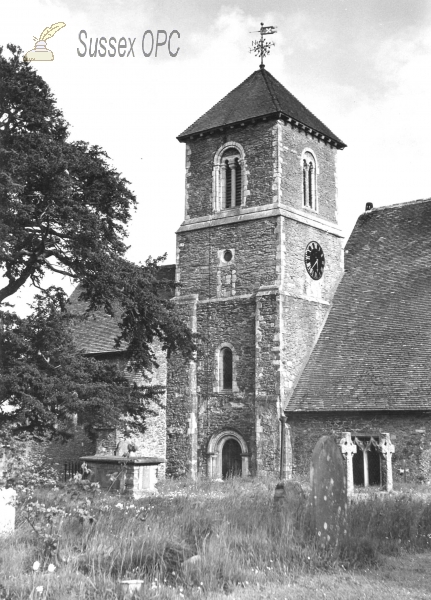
[65, 209]
[46, 379]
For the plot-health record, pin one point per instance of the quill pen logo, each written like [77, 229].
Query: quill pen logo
[40, 51]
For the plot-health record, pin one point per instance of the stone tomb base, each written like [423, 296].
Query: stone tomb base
[134, 476]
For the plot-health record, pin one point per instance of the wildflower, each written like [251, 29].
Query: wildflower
[51, 568]
[119, 505]
[36, 566]
[39, 589]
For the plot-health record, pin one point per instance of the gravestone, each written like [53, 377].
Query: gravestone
[348, 449]
[289, 502]
[289, 495]
[328, 493]
[387, 448]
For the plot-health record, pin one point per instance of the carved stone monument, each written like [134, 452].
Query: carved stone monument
[348, 448]
[134, 476]
[328, 492]
[387, 448]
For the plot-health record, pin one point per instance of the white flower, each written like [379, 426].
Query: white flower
[51, 568]
[36, 566]
[39, 589]
[119, 505]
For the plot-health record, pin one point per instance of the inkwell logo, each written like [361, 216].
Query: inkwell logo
[40, 51]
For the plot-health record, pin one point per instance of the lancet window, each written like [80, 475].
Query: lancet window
[309, 181]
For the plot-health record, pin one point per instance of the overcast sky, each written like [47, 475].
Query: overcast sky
[362, 66]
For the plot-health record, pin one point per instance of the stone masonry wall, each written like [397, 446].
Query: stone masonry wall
[152, 443]
[293, 142]
[220, 321]
[267, 379]
[296, 280]
[256, 139]
[306, 302]
[254, 261]
[181, 404]
[410, 433]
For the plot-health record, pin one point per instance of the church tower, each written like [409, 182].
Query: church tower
[259, 256]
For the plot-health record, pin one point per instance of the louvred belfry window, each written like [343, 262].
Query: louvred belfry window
[309, 181]
[231, 181]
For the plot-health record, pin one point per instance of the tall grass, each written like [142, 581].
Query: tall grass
[233, 527]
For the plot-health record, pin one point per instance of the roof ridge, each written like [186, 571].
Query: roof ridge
[399, 204]
[301, 103]
[272, 92]
[219, 102]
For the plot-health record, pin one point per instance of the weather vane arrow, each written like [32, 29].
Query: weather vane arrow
[262, 47]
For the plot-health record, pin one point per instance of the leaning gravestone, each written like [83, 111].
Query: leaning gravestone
[289, 503]
[328, 493]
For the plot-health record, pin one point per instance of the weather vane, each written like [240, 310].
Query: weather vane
[262, 47]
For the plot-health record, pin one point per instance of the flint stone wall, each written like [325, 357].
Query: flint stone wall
[410, 433]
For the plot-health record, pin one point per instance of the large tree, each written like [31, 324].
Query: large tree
[46, 379]
[64, 209]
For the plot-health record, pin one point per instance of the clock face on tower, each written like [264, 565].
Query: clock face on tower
[314, 260]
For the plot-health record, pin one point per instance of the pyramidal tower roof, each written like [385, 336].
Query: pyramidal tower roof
[260, 95]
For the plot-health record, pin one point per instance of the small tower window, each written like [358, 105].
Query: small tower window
[309, 181]
[226, 369]
[231, 176]
[230, 182]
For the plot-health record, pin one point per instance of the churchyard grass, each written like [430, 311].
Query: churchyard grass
[245, 547]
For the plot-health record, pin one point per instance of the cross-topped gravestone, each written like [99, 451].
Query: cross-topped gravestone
[328, 492]
[348, 448]
[387, 448]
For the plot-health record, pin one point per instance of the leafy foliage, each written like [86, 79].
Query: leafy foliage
[65, 210]
[46, 379]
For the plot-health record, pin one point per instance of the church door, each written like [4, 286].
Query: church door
[231, 459]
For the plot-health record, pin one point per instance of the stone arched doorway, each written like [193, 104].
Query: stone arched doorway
[228, 455]
[231, 462]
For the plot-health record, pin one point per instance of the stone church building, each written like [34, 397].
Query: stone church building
[299, 336]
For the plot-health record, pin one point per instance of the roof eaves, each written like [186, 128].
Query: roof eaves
[399, 205]
[278, 114]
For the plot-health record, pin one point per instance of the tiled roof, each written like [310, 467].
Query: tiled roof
[96, 335]
[374, 352]
[259, 95]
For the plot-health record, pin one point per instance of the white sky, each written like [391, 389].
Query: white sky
[362, 66]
